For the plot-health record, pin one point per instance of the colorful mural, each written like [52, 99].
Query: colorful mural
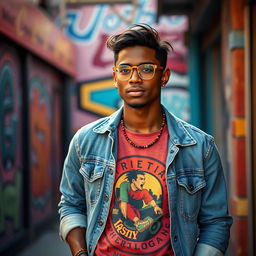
[57, 136]
[34, 62]
[41, 79]
[47, 41]
[11, 185]
[90, 26]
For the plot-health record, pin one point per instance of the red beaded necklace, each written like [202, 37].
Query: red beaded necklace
[151, 143]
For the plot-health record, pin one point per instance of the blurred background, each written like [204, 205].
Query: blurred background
[56, 76]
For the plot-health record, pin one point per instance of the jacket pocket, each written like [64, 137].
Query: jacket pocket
[190, 190]
[92, 173]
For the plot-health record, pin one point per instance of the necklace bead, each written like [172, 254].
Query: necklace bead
[143, 146]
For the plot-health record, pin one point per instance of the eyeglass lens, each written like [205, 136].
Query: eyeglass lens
[145, 71]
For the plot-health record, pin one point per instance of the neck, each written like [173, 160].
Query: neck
[143, 120]
[133, 187]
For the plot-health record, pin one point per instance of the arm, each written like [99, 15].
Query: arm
[214, 221]
[148, 199]
[75, 239]
[123, 208]
[157, 209]
[124, 188]
[72, 206]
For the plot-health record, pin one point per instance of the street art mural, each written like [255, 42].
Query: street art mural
[57, 143]
[28, 189]
[40, 139]
[11, 185]
[33, 61]
[45, 138]
[90, 26]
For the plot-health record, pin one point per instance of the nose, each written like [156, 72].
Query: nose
[135, 75]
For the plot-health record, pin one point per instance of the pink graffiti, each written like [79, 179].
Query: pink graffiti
[98, 59]
[176, 59]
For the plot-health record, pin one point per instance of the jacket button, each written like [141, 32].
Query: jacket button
[111, 171]
[191, 186]
[172, 151]
[175, 238]
[100, 222]
[106, 198]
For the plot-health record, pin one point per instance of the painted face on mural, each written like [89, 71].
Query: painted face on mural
[137, 92]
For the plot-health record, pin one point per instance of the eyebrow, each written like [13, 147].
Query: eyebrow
[128, 64]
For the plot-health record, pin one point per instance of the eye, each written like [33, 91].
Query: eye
[124, 70]
[147, 68]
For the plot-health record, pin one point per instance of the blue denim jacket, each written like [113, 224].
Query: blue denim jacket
[200, 222]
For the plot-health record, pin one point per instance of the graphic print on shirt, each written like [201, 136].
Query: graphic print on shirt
[139, 219]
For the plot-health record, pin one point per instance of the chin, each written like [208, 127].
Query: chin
[137, 105]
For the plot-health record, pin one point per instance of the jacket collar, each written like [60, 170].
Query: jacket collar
[178, 132]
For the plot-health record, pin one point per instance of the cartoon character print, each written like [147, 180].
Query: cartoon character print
[139, 221]
[137, 205]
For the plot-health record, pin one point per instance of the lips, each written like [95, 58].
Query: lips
[135, 91]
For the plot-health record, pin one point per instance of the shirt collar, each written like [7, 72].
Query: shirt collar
[178, 129]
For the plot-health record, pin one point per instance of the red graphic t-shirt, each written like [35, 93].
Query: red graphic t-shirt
[139, 219]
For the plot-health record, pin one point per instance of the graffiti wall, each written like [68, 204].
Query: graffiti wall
[42, 153]
[35, 64]
[90, 26]
[11, 185]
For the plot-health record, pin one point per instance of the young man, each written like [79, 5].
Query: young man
[184, 211]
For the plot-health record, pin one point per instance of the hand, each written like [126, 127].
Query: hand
[81, 252]
[123, 208]
[158, 210]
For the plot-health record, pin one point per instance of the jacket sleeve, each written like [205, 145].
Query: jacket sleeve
[213, 220]
[207, 250]
[72, 205]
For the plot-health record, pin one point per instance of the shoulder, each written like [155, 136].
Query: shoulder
[185, 134]
[88, 128]
[125, 184]
[102, 125]
[86, 134]
[203, 140]
[197, 132]
[189, 128]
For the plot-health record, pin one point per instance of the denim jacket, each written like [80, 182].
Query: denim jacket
[199, 217]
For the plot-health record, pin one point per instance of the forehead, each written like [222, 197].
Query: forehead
[140, 176]
[136, 55]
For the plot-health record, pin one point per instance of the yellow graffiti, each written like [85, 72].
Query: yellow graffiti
[40, 31]
[21, 16]
[62, 48]
[87, 103]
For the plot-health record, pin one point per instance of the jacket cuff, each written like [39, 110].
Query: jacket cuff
[207, 250]
[69, 222]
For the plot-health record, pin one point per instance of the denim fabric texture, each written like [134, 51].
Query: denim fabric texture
[200, 223]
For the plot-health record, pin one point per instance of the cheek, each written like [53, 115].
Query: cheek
[119, 86]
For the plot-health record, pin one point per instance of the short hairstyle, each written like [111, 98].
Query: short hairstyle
[142, 35]
[133, 174]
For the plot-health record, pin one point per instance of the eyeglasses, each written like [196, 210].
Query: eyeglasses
[145, 71]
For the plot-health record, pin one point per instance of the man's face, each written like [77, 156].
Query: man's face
[137, 92]
[139, 182]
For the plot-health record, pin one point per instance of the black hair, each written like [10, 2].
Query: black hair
[142, 35]
[133, 174]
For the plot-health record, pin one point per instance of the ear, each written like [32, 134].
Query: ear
[165, 77]
[115, 79]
